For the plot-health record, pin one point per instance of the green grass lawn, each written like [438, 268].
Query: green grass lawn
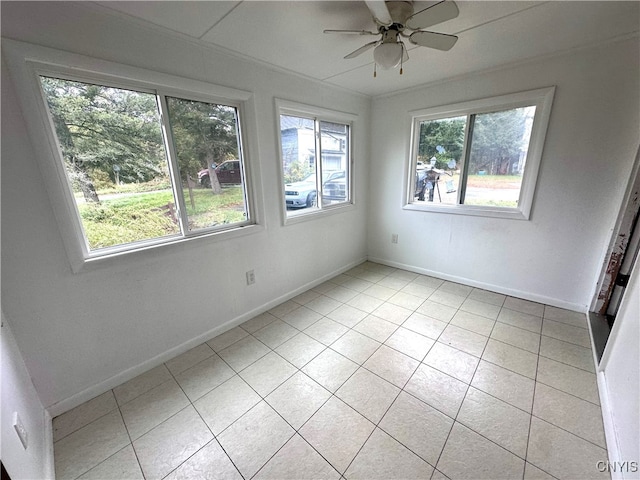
[144, 216]
[494, 181]
[484, 190]
[228, 207]
[493, 190]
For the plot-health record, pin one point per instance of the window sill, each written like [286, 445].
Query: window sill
[476, 211]
[100, 259]
[309, 216]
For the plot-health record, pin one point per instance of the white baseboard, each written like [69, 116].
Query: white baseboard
[613, 451]
[485, 286]
[118, 379]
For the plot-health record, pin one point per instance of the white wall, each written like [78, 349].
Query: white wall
[590, 146]
[620, 369]
[82, 333]
[19, 395]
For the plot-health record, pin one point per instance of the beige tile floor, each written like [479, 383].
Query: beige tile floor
[377, 373]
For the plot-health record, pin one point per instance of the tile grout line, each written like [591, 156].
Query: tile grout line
[367, 278]
[448, 323]
[535, 386]
[465, 395]
[333, 394]
[191, 403]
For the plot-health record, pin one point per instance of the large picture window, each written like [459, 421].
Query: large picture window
[144, 167]
[134, 159]
[479, 157]
[316, 160]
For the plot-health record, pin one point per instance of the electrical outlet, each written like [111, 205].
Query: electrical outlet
[394, 238]
[20, 430]
[251, 277]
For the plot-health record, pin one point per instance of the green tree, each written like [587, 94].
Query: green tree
[297, 171]
[204, 134]
[101, 127]
[498, 140]
[442, 139]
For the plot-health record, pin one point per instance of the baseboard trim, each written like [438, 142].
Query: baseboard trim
[485, 286]
[613, 450]
[112, 382]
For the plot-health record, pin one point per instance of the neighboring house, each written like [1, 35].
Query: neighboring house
[298, 143]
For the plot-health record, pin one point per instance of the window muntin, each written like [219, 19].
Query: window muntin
[303, 139]
[479, 157]
[132, 185]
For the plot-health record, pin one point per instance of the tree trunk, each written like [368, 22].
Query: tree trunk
[78, 172]
[213, 177]
[85, 183]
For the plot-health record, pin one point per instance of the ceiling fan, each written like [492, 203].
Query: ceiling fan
[394, 20]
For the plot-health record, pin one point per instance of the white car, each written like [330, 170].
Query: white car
[303, 194]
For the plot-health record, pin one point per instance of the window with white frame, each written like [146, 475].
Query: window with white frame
[315, 159]
[480, 157]
[144, 167]
[134, 159]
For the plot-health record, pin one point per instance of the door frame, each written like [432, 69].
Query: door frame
[628, 220]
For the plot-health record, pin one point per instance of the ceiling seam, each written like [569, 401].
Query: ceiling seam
[220, 20]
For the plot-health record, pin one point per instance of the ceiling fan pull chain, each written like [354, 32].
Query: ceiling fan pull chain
[375, 73]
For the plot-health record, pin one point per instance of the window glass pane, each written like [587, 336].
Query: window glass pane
[298, 147]
[438, 167]
[499, 146]
[206, 142]
[334, 144]
[115, 161]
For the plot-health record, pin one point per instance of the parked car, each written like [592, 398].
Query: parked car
[228, 172]
[335, 190]
[304, 193]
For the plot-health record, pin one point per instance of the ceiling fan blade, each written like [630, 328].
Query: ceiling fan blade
[438, 13]
[356, 32]
[439, 41]
[362, 49]
[379, 11]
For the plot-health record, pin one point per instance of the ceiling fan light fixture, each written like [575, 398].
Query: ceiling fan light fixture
[388, 55]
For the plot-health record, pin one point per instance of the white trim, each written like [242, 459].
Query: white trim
[27, 61]
[609, 415]
[294, 108]
[99, 388]
[611, 439]
[300, 217]
[541, 98]
[576, 307]
[48, 460]
[286, 107]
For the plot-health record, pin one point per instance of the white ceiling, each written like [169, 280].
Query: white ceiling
[289, 35]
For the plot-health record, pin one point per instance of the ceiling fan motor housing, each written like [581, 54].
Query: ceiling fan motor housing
[400, 11]
[389, 34]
